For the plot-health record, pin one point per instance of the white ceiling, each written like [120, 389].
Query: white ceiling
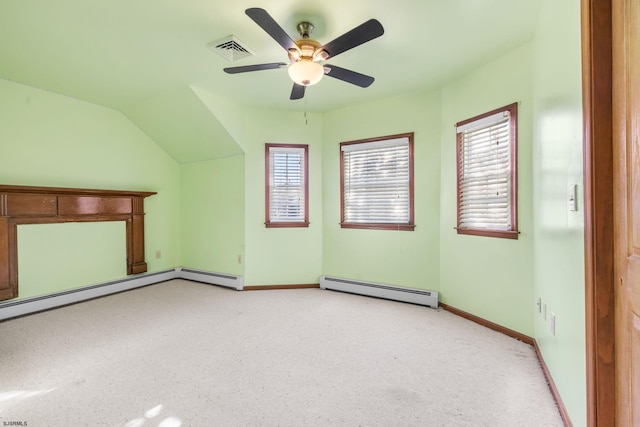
[125, 54]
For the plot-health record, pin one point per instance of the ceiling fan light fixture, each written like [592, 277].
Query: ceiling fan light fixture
[306, 72]
[295, 55]
[320, 55]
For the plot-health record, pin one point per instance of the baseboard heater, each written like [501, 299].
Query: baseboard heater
[220, 279]
[21, 307]
[378, 290]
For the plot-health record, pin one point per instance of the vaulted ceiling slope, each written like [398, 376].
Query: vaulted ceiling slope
[142, 57]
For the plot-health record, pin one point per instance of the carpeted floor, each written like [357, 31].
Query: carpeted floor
[187, 354]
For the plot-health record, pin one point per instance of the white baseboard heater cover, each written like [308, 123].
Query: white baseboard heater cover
[379, 290]
[21, 307]
[220, 279]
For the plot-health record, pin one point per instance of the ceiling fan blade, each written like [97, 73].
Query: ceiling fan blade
[297, 92]
[267, 23]
[359, 35]
[258, 67]
[349, 76]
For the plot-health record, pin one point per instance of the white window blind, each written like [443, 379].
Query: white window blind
[377, 182]
[485, 173]
[286, 184]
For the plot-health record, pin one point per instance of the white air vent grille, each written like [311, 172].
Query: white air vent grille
[231, 48]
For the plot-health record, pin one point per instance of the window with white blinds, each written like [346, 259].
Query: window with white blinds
[377, 183]
[287, 188]
[487, 174]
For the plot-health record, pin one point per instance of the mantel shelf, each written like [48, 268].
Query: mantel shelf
[23, 189]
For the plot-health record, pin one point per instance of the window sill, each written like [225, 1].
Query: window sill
[374, 226]
[286, 224]
[503, 234]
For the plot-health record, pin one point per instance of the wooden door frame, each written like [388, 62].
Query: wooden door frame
[597, 65]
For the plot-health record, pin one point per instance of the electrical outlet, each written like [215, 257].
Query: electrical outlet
[544, 311]
[552, 323]
[158, 254]
[539, 305]
[239, 259]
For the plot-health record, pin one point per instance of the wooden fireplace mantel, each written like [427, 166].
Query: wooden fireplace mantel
[50, 205]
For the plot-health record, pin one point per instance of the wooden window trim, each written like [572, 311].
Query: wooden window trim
[281, 224]
[513, 129]
[410, 226]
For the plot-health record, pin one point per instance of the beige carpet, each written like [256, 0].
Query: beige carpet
[188, 354]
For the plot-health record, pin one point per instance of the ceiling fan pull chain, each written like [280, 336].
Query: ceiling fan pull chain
[306, 102]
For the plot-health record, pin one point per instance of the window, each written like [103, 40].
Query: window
[487, 174]
[376, 183]
[287, 188]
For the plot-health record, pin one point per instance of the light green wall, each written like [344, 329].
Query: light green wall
[404, 258]
[281, 255]
[212, 202]
[52, 140]
[489, 277]
[559, 233]
[43, 267]
[223, 201]
[176, 115]
[228, 112]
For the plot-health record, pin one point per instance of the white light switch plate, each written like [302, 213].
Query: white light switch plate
[571, 198]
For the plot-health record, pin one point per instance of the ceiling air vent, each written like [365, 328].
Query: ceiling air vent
[231, 48]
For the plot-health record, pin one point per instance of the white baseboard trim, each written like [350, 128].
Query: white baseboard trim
[21, 307]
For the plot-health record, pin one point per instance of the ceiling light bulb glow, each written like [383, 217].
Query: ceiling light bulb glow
[306, 72]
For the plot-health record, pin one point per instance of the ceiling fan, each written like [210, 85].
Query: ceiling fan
[307, 55]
